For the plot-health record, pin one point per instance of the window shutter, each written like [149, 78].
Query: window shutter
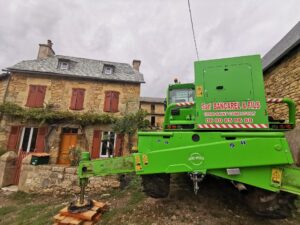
[31, 96]
[107, 101]
[115, 101]
[73, 99]
[96, 144]
[13, 138]
[40, 96]
[118, 151]
[79, 99]
[41, 139]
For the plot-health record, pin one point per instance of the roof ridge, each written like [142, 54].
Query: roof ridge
[98, 60]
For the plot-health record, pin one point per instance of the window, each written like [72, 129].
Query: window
[28, 139]
[153, 121]
[108, 69]
[111, 101]
[108, 144]
[63, 65]
[77, 99]
[152, 108]
[181, 95]
[36, 96]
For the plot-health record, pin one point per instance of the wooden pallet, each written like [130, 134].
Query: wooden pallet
[90, 217]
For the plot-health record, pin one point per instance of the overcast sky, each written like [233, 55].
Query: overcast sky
[156, 32]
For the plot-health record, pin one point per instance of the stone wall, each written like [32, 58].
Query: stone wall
[158, 112]
[283, 80]
[3, 84]
[59, 92]
[59, 180]
[7, 168]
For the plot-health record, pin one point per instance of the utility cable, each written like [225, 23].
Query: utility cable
[193, 29]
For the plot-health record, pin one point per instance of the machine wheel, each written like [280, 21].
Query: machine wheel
[156, 185]
[269, 204]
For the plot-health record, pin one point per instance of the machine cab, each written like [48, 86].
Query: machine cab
[180, 117]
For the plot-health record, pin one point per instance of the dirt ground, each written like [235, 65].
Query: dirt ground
[217, 203]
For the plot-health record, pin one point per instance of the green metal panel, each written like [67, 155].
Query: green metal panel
[179, 153]
[291, 179]
[103, 167]
[230, 91]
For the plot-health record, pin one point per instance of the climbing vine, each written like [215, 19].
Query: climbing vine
[51, 116]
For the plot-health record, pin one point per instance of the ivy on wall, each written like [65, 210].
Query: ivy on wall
[51, 116]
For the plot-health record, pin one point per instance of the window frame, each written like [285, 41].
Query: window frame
[29, 143]
[64, 65]
[101, 145]
[110, 67]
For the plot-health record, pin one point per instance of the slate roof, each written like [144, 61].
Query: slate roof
[152, 100]
[287, 43]
[79, 67]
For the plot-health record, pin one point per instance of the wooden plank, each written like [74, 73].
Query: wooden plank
[71, 221]
[64, 209]
[88, 215]
[58, 217]
[99, 204]
[88, 223]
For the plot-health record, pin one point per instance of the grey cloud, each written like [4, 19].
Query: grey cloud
[157, 32]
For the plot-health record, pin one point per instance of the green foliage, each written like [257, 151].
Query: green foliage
[131, 122]
[75, 155]
[52, 116]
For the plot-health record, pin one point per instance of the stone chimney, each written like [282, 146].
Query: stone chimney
[45, 50]
[136, 64]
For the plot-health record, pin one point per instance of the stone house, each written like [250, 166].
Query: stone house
[281, 67]
[70, 85]
[156, 110]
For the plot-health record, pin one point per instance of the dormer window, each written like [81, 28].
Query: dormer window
[108, 69]
[63, 64]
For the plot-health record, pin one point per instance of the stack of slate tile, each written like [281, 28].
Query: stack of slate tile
[90, 217]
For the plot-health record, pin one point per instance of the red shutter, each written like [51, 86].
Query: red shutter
[118, 151]
[13, 139]
[79, 99]
[40, 96]
[96, 144]
[41, 139]
[73, 99]
[115, 101]
[31, 96]
[107, 101]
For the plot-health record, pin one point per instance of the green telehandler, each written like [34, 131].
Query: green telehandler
[217, 126]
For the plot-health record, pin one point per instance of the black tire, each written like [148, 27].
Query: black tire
[269, 204]
[156, 185]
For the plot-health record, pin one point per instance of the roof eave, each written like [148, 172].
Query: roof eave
[266, 67]
[70, 76]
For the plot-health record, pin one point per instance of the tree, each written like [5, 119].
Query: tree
[130, 123]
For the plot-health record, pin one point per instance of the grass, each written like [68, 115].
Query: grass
[29, 209]
[6, 210]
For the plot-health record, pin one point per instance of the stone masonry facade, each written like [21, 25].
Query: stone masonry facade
[58, 94]
[283, 80]
[60, 180]
[155, 109]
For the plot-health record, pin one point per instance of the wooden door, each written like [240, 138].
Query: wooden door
[67, 142]
[20, 158]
